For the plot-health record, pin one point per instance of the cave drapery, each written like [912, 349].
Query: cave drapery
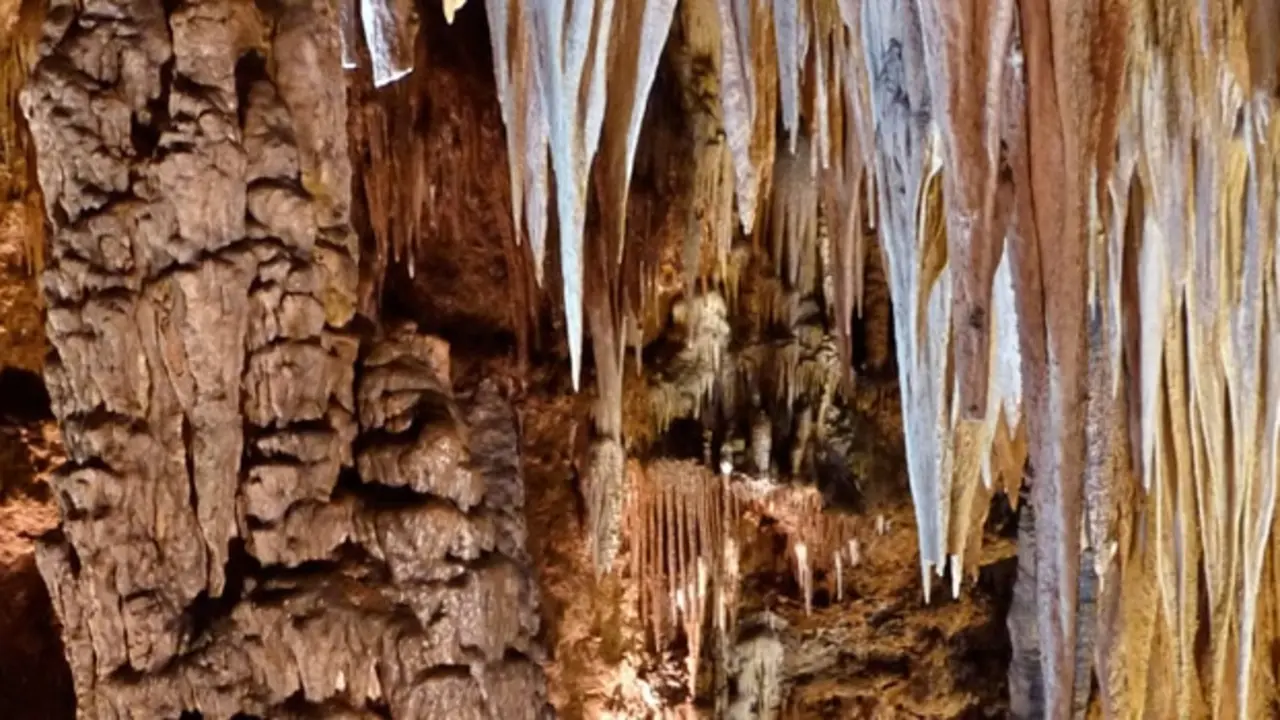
[1075, 206]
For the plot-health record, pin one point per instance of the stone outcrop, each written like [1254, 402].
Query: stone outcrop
[227, 544]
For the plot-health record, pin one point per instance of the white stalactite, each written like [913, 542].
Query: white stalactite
[573, 45]
[389, 34]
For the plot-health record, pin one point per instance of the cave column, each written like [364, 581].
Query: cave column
[200, 270]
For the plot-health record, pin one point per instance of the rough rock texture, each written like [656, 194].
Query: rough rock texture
[404, 594]
[217, 552]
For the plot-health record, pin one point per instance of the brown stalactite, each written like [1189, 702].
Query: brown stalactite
[1063, 106]
[966, 50]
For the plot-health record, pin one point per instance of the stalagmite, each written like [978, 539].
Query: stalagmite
[761, 444]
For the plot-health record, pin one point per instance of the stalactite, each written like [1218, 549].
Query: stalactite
[349, 33]
[1026, 680]
[965, 51]
[639, 32]
[850, 173]
[677, 538]
[451, 8]
[1084, 198]
[684, 535]
[918, 282]
[839, 563]
[793, 220]
[761, 443]
[710, 225]
[1063, 131]
[748, 96]
[390, 29]
[520, 95]
[1002, 466]
[572, 51]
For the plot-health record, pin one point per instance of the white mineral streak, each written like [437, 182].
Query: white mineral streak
[348, 33]
[804, 575]
[839, 576]
[387, 33]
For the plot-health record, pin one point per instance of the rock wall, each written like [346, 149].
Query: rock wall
[227, 543]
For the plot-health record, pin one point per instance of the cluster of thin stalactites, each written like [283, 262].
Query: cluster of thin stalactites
[685, 527]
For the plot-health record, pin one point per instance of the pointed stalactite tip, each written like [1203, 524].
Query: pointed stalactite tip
[451, 8]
